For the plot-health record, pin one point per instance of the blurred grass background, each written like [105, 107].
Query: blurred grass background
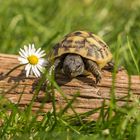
[45, 22]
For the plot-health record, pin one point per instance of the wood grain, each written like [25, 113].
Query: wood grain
[90, 95]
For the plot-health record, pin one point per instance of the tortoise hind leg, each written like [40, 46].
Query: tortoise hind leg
[92, 67]
[111, 65]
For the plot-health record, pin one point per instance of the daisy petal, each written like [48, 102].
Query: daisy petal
[38, 50]
[41, 53]
[30, 49]
[22, 60]
[33, 48]
[23, 53]
[41, 69]
[41, 61]
[26, 50]
[28, 69]
[36, 71]
[28, 66]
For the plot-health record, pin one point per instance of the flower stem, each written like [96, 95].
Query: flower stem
[7, 73]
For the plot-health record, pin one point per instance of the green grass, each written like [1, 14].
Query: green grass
[45, 23]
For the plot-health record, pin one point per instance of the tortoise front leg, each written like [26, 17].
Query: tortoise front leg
[92, 67]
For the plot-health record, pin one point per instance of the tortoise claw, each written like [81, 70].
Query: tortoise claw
[98, 79]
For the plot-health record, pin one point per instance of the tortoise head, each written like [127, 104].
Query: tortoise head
[73, 65]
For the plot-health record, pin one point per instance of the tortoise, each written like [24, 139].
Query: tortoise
[81, 52]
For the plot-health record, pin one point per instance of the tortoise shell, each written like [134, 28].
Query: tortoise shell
[85, 44]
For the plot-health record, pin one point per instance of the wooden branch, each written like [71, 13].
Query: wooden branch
[90, 97]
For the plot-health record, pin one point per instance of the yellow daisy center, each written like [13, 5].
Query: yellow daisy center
[33, 60]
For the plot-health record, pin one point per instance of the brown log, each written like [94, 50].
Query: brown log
[90, 95]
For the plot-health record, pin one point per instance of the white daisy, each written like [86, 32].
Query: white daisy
[33, 59]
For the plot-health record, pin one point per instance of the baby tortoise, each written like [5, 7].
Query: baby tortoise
[81, 52]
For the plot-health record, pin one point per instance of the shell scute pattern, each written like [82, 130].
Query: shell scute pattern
[79, 33]
[85, 44]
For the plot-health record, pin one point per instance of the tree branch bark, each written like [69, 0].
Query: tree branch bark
[90, 95]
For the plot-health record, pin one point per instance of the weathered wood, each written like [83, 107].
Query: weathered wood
[90, 97]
